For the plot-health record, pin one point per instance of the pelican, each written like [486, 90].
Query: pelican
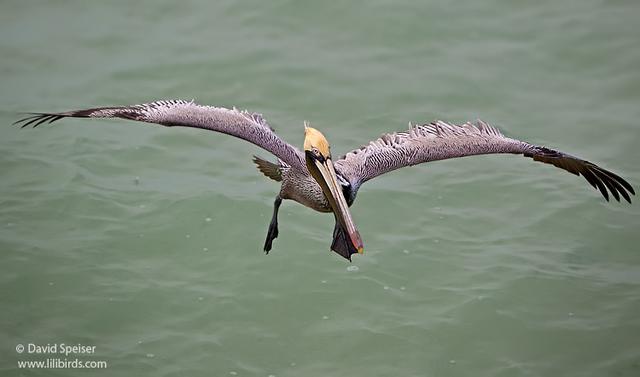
[315, 179]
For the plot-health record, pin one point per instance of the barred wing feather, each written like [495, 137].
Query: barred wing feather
[251, 127]
[440, 140]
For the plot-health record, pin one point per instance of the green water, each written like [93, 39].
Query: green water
[145, 242]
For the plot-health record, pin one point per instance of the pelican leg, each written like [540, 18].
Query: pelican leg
[341, 243]
[272, 233]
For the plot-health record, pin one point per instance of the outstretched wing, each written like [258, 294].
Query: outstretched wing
[440, 140]
[251, 127]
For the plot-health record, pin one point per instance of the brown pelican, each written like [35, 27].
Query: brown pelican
[316, 180]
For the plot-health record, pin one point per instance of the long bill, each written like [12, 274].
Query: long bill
[333, 191]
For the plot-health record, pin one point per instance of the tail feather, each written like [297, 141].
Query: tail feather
[269, 169]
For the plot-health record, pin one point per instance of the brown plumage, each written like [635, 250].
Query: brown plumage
[440, 140]
[420, 143]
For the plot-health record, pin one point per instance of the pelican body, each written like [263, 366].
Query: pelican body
[314, 179]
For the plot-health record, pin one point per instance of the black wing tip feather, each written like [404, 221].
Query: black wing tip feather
[616, 185]
[37, 119]
[601, 179]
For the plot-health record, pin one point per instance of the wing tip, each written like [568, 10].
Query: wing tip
[37, 119]
[601, 179]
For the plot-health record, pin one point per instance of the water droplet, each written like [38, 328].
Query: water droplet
[233, 373]
[352, 268]
[208, 219]
[187, 235]
[323, 282]
[293, 364]
[406, 251]
[150, 355]
[205, 249]
[139, 341]
[386, 287]
[50, 283]
[136, 180]
[402, 288]
[436, 240]
[325, 317]
[452, 361]
[200, 298]
[571, 314]
[272, 375]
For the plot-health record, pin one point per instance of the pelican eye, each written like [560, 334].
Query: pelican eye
[316, 152]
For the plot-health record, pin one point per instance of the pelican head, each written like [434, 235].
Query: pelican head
[318, 159]
[315, 142]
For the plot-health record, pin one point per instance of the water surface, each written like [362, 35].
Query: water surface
[146, 242]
